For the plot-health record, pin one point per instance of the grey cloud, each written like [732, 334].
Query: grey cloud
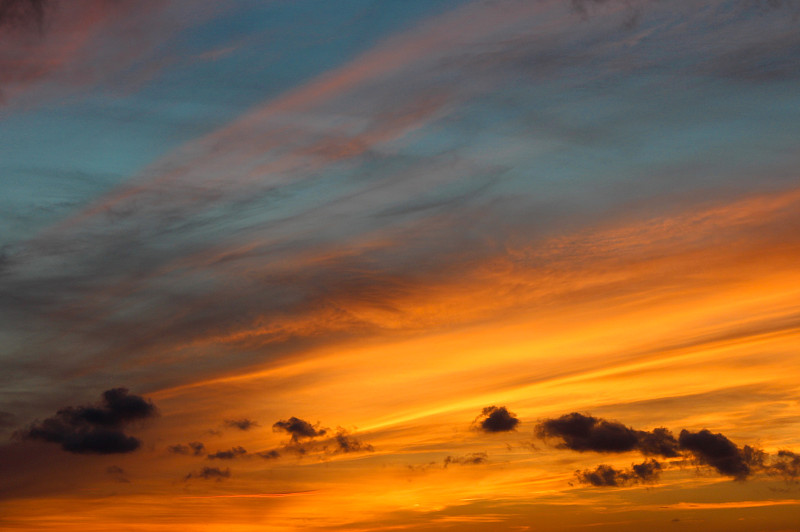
[607, 476]
[95, 429]
[348, 444]
[195, 448]
[269, 455]
[497, 419]
[241, 424]
[787, 465]
[298, 428]
[582, 433]
[208, 473]
[717, 451]
[229, 454]
[469, 459]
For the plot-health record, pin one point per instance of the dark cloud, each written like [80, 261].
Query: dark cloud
[583, 433]
[228, 455]
[241, 424]
[195, 447]
[269, 455]
[298, 428]
[607, 476]
[94, 429]
[722, 454]
[497, 419]
[469, 459]
[348, 444]
[658, 442]
[22, 13]
[341, 442]
[785, 464]
[209, 473]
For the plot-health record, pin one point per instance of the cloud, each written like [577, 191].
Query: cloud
[298, 428]
[583, 433]
[607, 476]
[785, 464]
[341, 442]
[22, 13]
[241, 424]
[94, 429]
[269, 455]
[722, 454]
[229, 454]
[348, 444]
[117, 473]
[469, 459]
[194, 447]
[497, 419]
[208, 473]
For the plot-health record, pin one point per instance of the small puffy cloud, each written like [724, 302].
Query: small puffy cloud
[269, 455]
[348, 444]
[209, 473]
[227, 455]
[195, 448]
[469, 459]
[241, 424]
[94, 429]
[607, 476]
[722, 454]
[496, 419]
[298, 428]
[307, 439]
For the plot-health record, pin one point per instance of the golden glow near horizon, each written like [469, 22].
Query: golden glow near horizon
[324, 288]
[721, 357]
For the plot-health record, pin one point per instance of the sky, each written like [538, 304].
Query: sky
[414, 265]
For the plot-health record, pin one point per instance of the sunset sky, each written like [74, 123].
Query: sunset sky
[352, 265]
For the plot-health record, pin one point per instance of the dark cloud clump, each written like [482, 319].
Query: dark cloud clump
[470, 459]
[583, 433]
[228, 455]
[269, 455]
[607, 476]
[195, 448]
[208, 473]
[722, 454]
[787, 465]
[348, 444]
[658, 442]
[298, 428]
[241, 424]
[94, 429]
[22, 13]
[497, 419]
